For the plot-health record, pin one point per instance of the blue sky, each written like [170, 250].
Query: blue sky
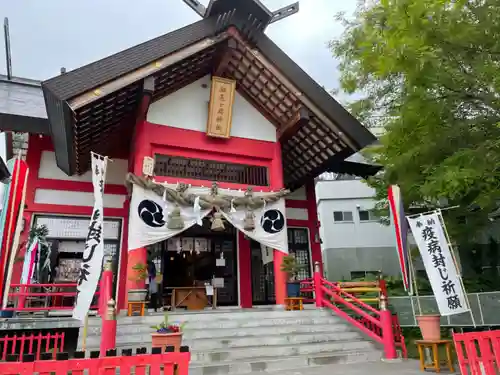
[49, 34]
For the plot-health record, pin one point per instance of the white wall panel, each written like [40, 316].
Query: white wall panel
[187, 108]
[115, 173]
[298, 195]
[296, 213]
[76, 198]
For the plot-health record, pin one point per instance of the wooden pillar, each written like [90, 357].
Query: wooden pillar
[313, 225]
[245, 271]
[277, 183]
[140, 147]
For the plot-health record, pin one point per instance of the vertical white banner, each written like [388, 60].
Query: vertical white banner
[93, 255]
[439, 264]
[29, 261]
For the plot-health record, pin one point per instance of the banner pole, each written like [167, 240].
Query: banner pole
[431, 212]
[452, 252]
[415, 285]
[85, 330]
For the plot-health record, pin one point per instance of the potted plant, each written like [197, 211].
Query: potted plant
[429, 324]
[167, 334]
[141, 274]
[291, 268]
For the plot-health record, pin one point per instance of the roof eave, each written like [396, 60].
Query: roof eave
[361, 136]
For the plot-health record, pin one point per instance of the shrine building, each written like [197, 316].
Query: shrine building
[213, 102]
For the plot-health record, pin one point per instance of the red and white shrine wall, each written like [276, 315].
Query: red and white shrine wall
[64, 203]
[174, 126]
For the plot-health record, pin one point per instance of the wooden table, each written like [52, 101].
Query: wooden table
[192, 298]
[434, 345]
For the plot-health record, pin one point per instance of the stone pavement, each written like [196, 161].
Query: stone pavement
[409, 367]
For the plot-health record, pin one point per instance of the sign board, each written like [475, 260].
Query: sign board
[220, 109]
[76, 228]
[439, 264]
[148, 166]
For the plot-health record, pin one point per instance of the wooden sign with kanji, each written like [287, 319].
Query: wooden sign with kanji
[220, 109]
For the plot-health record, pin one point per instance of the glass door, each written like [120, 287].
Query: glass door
[262, 277]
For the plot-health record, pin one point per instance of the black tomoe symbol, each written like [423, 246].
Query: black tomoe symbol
[273, 221]
[151, 213]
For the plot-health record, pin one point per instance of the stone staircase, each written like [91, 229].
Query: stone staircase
[249, 341]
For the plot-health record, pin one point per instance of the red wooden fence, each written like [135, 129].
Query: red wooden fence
[28, 297]
[157, 363]
[478, 353]
[31, 344]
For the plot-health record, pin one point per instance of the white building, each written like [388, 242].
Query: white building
[354, 242]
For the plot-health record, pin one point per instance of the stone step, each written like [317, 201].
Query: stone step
[230, 342]
[260, 351]
[260, 331]
[277, 351]
[269, 366]
[216, 315]
[222, 324]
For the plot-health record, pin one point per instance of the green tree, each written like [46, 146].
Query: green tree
[428, 71]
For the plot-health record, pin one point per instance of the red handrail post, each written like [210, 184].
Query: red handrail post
[387, 330]
[108, 330]
[105, 287]
[317, 281]
[22, 298]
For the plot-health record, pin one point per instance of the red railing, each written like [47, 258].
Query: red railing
[398, 333]
[360, 314]
[307, 287]
[377, 324]
[478, 353]
[43, 297]
[169, 363]
[31, 344]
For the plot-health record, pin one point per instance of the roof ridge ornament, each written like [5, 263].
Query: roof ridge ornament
[254, 9]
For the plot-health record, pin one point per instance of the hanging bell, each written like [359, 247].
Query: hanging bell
[175, 219]
[217, 223]
[249, 221]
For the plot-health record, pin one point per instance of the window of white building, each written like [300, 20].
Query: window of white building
[365, 215]
[342, 217]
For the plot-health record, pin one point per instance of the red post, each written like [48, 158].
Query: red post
[317, 281]
[108, 330]
[22, 298]
[105, 287]
[387, 330]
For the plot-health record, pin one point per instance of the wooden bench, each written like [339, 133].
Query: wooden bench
[294, 303]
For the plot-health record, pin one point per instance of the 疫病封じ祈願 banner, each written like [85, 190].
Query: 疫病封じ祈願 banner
[439, 264]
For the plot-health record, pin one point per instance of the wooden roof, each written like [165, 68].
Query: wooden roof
[94, 107]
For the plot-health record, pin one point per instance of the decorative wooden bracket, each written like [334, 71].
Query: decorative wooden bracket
[285, 12]
[195, 5]
[225, 57]
[300, 119]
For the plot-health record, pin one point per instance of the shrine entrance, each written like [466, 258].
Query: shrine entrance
[194, 258]
[262, 275]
